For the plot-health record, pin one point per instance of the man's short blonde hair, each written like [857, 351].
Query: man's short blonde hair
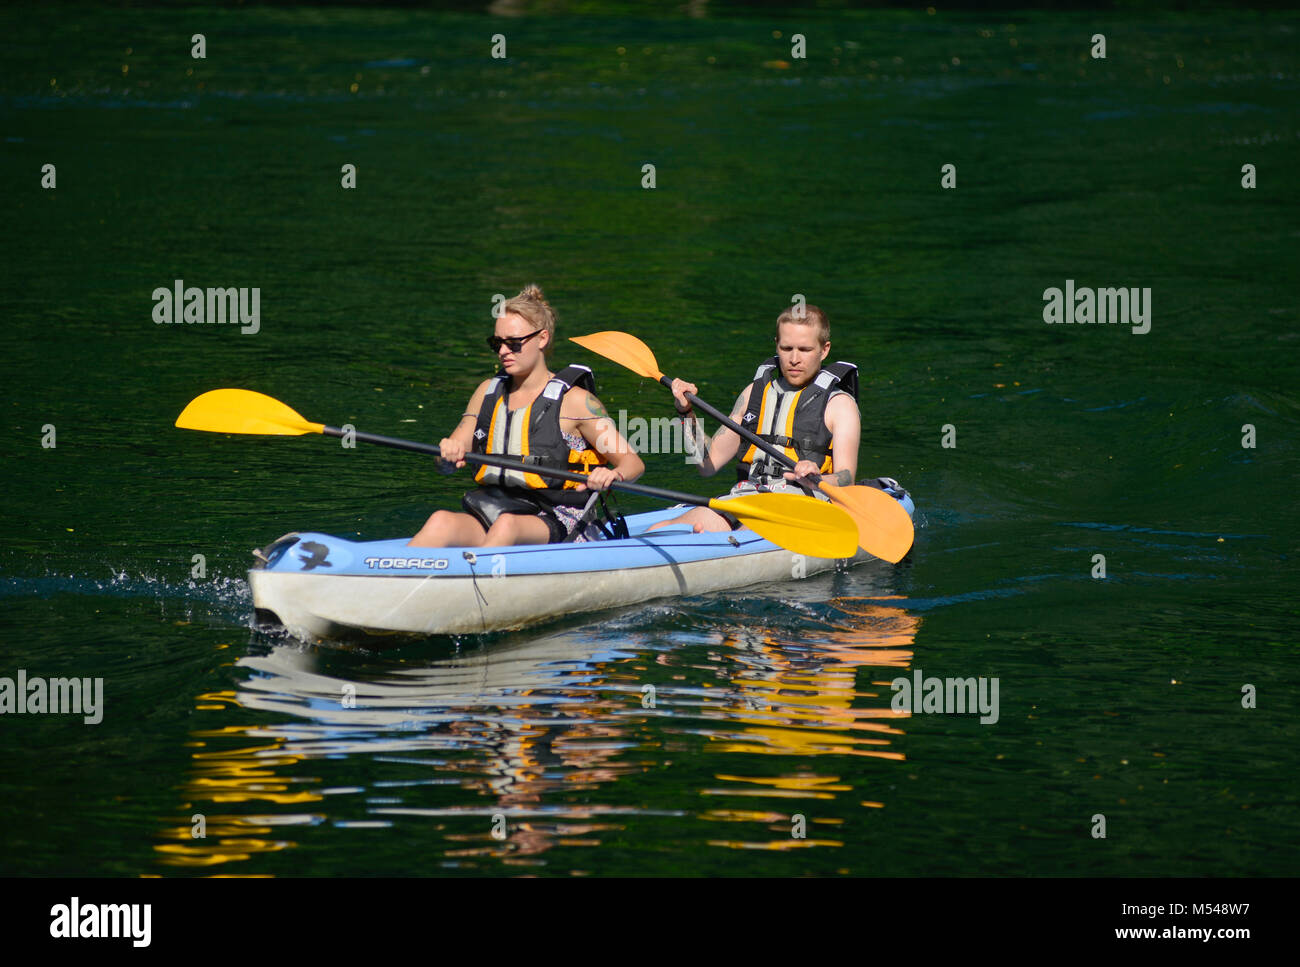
[806, 316]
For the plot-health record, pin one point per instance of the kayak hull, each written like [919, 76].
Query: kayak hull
[317, 586]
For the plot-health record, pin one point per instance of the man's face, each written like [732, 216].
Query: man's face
[800, 353]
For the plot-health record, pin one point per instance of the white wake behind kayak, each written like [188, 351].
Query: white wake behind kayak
[318, 586]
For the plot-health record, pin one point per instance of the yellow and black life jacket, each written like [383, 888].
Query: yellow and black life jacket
[532, 434]
[794, 420]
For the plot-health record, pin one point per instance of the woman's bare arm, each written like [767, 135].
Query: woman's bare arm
[601, 433]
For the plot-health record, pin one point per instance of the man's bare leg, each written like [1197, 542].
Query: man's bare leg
[700, 519]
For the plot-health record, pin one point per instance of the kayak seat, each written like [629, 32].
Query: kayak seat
[888, 484]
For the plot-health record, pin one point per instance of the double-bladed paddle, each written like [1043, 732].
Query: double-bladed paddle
[801, 525]
[884, 528]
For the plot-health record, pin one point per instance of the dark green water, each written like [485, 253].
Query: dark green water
[1119, 696]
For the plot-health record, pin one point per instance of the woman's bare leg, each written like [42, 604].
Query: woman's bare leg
[511, 529]
[446, 528]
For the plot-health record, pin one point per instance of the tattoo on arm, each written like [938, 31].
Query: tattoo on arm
[596, 407]
[738, 410]
[841, 478]
[695, 439]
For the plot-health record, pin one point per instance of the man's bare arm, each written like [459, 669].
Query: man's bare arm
[845, 423]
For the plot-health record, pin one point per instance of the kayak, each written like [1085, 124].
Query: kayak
[316, 586]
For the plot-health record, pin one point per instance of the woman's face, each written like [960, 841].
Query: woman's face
[529, 354]
[799, 352]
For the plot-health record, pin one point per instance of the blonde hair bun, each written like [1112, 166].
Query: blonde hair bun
[534, 292]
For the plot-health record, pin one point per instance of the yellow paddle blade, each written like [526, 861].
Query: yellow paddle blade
[802, 525]
[243, 411]
[624, 349]
[884, 529]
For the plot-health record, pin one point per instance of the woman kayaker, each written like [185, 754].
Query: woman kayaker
[795, 403]
[543, 418]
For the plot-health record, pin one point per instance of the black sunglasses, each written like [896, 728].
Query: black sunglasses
[515, 343]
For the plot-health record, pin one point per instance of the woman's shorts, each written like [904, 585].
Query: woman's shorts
[486, 504]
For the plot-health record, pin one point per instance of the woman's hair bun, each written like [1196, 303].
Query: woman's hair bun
[531, 304]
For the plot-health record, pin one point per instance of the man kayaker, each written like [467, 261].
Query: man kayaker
[542, 418]
[795, 403]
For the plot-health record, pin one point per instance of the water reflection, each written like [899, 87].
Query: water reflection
[538, 739]
[800, 698]
[244, 775]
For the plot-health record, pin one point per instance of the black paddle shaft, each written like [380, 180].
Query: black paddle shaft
[735, 427]
[508, 464]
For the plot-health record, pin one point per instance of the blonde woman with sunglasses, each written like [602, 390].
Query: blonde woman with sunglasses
[541, 417]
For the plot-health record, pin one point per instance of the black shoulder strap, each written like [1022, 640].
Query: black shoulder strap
[576, 375]
[838, 376]
[559, 384]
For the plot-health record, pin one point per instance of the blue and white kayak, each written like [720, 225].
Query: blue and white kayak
[318, 586]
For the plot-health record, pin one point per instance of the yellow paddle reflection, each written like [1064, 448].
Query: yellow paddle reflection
[802, 699]
[246, 774]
